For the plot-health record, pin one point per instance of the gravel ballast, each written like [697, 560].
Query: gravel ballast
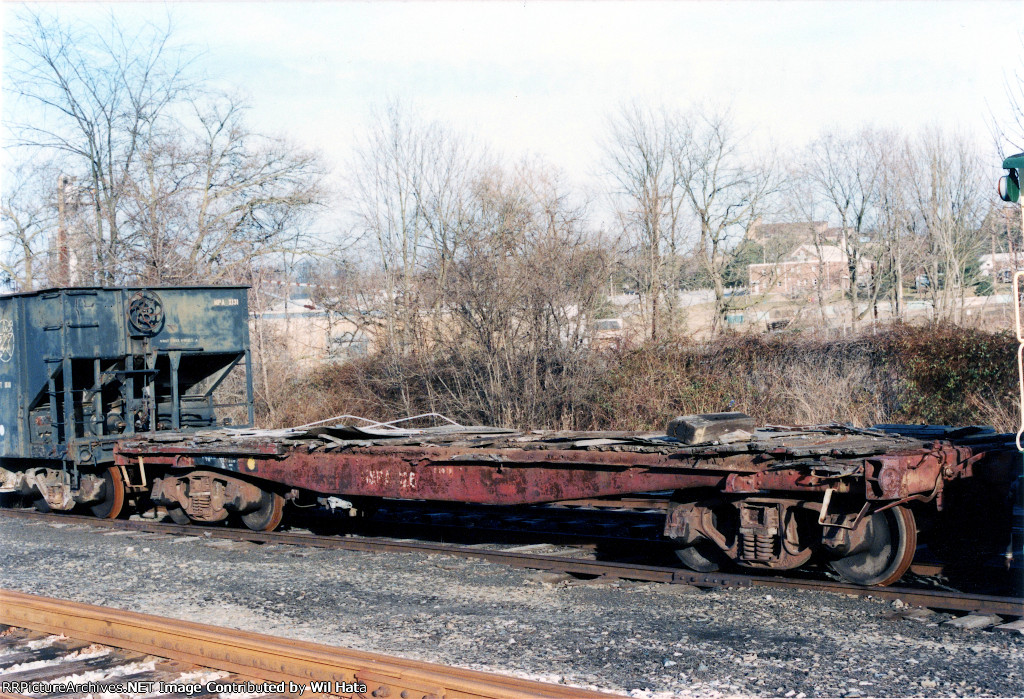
[641, 639]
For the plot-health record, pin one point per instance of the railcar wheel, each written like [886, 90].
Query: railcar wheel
[113, 495]
[703, 557]
[888, 551]
[41, 505]
[269, 514]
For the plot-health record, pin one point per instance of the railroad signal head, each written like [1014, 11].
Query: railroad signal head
[1009, 187]
[1009, 184]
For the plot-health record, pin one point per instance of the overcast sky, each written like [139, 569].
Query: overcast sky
[541, 77]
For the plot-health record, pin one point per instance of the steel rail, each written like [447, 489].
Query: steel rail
[933, 599]
[266, 657]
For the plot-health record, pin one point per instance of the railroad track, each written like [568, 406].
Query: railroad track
[934, 599]
[169, 657]
[46, 664]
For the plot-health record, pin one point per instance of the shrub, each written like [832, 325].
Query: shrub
[941, 374]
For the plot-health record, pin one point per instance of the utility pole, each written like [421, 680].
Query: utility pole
[63, 258]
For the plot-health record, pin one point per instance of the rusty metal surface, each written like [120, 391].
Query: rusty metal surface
[206, 496]
[523, 468]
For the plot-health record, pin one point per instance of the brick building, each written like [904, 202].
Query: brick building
[802, 270]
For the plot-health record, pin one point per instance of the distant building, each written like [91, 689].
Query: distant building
[803, 270]
[308, 334]
[1002, 265]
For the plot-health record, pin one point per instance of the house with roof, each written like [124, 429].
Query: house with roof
[1000, 265]
[804, 269]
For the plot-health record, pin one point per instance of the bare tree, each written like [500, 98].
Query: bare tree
[642, 153]
[897, 246]
[522, 296]
[952, 195]
[1007, 124]
[90, 93]
[409, 181]
[846, 171]
[251, 194]
[804, 204]
[727, 186]
[28, 209]
[178, 187]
